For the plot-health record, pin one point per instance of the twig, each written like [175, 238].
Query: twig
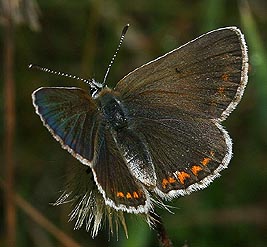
[45, 223]
[9, 114]
[163, 238]
[41, 220]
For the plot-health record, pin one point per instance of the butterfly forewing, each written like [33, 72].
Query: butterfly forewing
[71, 116]
[201, 78]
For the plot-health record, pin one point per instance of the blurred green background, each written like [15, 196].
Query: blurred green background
[80, 37]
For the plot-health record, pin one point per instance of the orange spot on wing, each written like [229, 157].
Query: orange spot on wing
[182, 176]
[205, 161]
[164, 183]
[225, 77]
[171, 180]
[135, 195]
[196, 169]
[128, 196]
[221, 90]
[120, 194]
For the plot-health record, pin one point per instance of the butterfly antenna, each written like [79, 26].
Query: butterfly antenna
[91, 82]
[124, 30]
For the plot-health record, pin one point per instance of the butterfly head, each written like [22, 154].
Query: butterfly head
[95, 87]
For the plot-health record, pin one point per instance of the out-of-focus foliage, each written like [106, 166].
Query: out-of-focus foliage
[80, 37]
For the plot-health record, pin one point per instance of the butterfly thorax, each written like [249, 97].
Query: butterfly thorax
[112, 110]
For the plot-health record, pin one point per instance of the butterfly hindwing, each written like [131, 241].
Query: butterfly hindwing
[187, 153]
[118, 186]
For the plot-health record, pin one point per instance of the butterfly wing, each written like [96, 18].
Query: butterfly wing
[176, 103]
[205, 77]
[187, 153]
[71, 116]
[118, 186]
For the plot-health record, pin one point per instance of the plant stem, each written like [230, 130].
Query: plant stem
[163, 238]
[9, 120]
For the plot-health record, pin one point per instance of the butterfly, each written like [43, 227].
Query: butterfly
[158, 132]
